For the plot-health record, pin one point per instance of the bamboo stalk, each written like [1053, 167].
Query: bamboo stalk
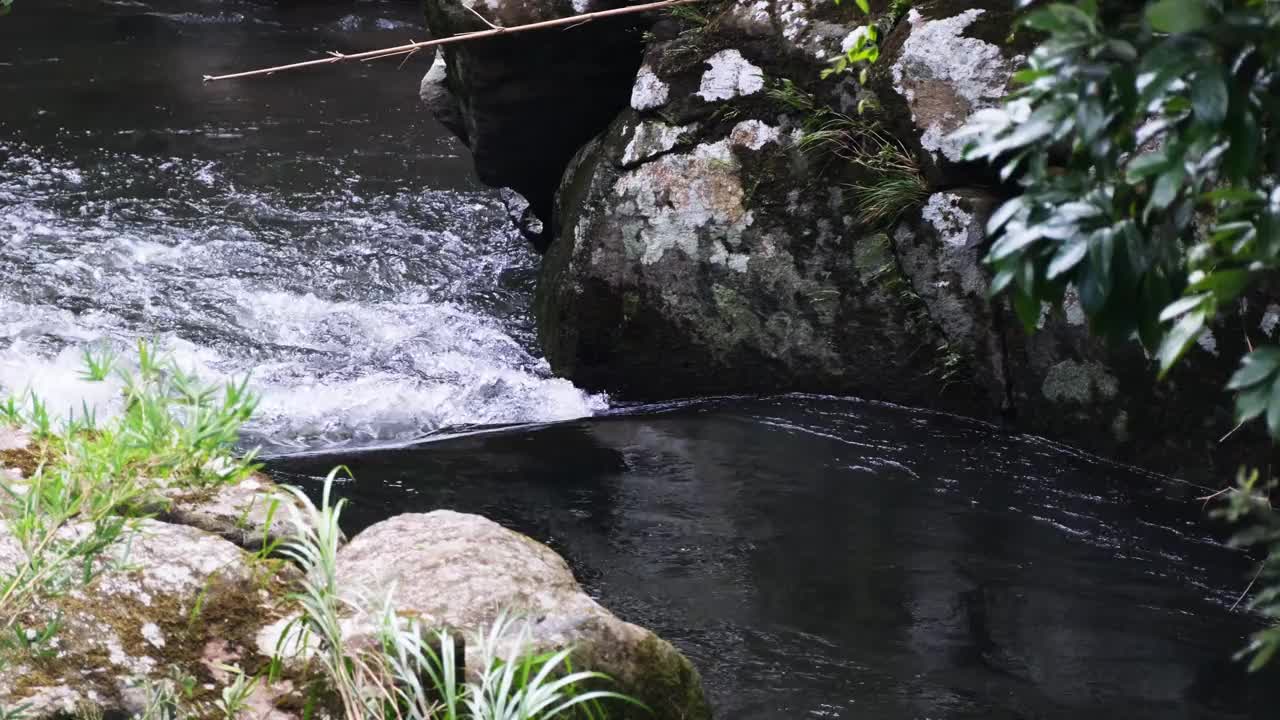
[493, 31]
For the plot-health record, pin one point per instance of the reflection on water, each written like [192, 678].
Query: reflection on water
[829, 558]
[316, 228]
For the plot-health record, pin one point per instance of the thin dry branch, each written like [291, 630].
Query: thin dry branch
[494, 30]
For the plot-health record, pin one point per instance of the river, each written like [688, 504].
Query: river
[815, 557]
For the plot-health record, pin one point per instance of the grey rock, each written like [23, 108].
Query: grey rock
[461, 571]
[252, 513]
[438, 99]
[944, 61]
[526, 102]
[701, 250]
[167, 598]
[942, 255]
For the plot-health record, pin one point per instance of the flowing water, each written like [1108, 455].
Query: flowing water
[815, 557]
[317, 228]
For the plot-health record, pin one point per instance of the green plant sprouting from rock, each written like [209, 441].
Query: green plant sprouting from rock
[891, 182]
[89, 483]
[90, 480]
[400, 668]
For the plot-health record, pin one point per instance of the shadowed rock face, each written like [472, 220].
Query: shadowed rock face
[525, 103]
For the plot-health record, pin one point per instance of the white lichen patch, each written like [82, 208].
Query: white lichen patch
[794, 18]
[735, 261]
[1071, 306]
[649, 91]
[152, 634]
[678, 197]
[945, 77]
[1079, 382]
[730, 75]
[944, 214]
[581, 6]
[753, 134]
[651, 139]
[1270, 318]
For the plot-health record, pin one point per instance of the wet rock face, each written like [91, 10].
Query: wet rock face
[525, 103]
[171, 598]
[461, 571]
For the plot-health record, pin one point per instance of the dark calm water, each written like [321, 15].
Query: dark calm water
[820, 557]
[816, 557]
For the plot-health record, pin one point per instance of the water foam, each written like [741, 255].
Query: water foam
[361, 317]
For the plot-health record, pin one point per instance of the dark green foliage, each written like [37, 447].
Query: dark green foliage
[1249, 504]
[1148, 174]
[1144, 142]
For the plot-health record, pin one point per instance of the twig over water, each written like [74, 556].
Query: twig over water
[493, 31]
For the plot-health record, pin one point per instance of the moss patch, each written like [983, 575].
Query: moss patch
[228, 611]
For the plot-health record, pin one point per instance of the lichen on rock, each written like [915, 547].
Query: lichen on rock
[164, 597]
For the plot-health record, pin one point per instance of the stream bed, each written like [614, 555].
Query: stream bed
[815, 557]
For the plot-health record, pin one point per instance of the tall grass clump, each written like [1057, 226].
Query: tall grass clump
[395, 668]
[890, 182]
[91, 480]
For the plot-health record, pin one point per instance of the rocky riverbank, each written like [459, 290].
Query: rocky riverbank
[732, 223]
[192, 597]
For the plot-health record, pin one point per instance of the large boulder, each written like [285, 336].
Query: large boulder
[702, 249]
[720, 233]
[461, 571]
[168, 600]
[524, 103]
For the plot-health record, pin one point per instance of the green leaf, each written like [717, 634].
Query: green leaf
[1067, 258]
[1027, 309]
[1226, 285]
[1255, 367]
[1175, 344]
[1166, 188]
[1003, 214]
[1252, 402]
[1209, 96]
[864, 6]
[1002, 279]
[1232, 195]
[1242, 154]
[1145, 166]
[1263, 656]
[1273, 410]
[1182, 306]
[1012, 242]
[1178, 16]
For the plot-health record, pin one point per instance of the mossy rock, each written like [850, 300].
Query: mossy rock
[167, 600]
